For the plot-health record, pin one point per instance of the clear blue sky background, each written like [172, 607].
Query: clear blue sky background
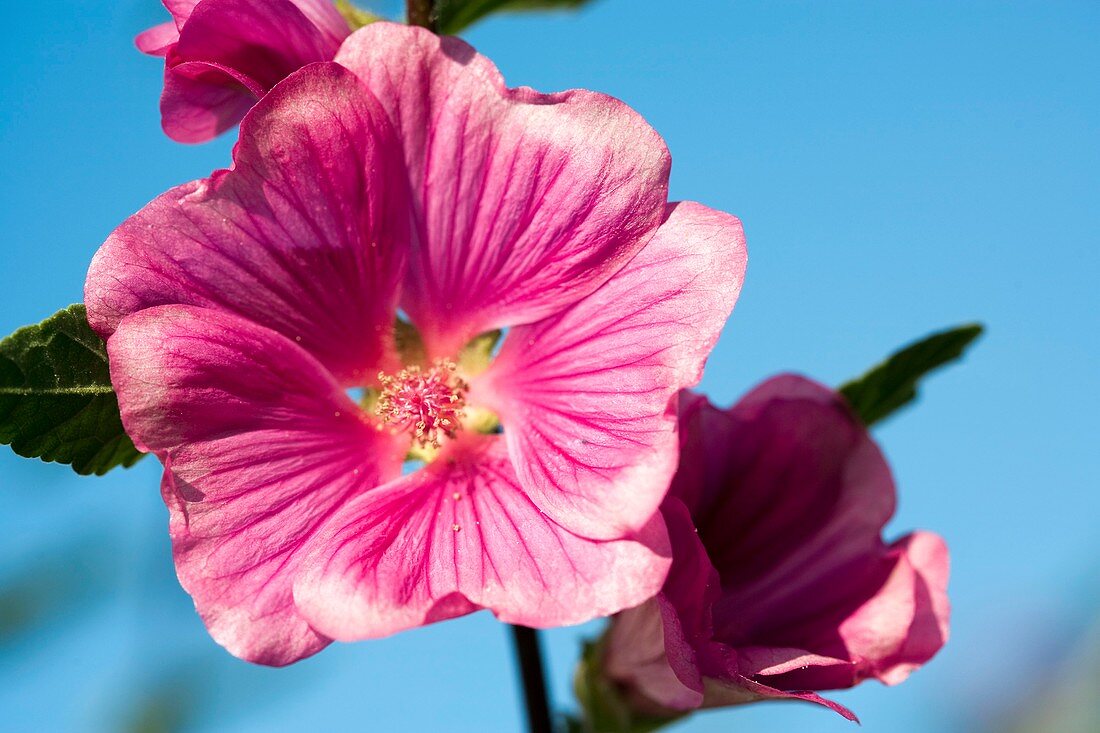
[899, 167]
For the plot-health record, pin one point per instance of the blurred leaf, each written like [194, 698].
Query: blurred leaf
[159, 715]
[65, 581]
[56, 400]
[456, 15]
[1063, 695]
[355, 16]
[176, 688]
[893, 383]
[169, 699]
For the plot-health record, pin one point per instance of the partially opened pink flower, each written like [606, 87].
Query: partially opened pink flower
[781, 584]
[220, 56]
[238, 309]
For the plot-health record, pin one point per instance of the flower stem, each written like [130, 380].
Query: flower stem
[529, 656]
[422, 13]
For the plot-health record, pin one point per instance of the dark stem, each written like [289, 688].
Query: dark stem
[422, 13]
[529, 655]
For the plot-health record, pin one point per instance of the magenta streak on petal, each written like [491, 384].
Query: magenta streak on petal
[525, 202]
[460, 535]
[587, 396]
[222, 55]
[254, 241]
[215, 78]
[424, 180]
[260, 447]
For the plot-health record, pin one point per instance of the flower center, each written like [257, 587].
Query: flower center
[426, 402]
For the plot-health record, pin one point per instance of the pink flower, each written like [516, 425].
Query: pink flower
[239, 308]
[780, 583]
[220, 56]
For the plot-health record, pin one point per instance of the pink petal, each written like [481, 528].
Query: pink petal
[181, 9]
[790, 495]
[231, 52]
[794, 508]
[906, 622]
[739, 690]
[642, 644]
[525, 201]
[325, 17]
[157, 40]
[202, 100]
[255, 241]
[460, 534]
[653, 647]
[763, 660]
[265, 39]
[704, 471]
[587, 396]
[260, 445]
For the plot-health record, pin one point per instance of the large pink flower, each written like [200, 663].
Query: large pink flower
[239, 308]
[781, 584]
[220, 56]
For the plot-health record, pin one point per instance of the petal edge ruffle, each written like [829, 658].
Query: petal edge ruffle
[525, 202]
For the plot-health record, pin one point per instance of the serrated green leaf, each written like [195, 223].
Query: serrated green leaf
[56, 399]
[893, 383]
[456, 15]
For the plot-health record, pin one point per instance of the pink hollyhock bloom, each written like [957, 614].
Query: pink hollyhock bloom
[220, 56]
[238, 309]
[781, 584]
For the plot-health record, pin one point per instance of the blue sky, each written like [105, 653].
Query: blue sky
[899, 167]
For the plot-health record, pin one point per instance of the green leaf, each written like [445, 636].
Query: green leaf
[56, 400]
[456, 15]
[59, 581]
[893, 383]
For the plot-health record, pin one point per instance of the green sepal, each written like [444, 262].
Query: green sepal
[893, 384]
[355, 16]
[410, 347]
[56, 399]
[478, 353]
[456, 15]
